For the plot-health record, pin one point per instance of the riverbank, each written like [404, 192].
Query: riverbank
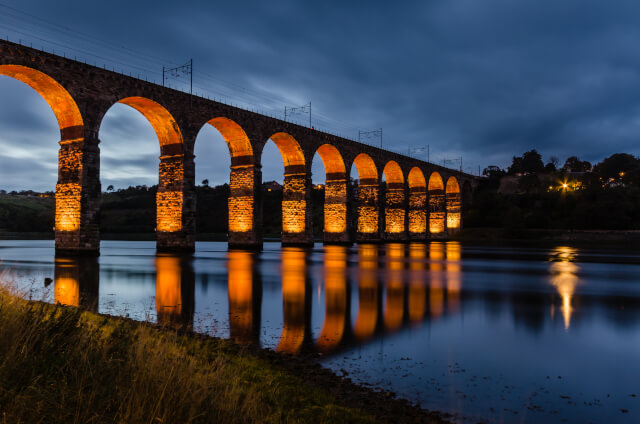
[501, 236]
[65, 365]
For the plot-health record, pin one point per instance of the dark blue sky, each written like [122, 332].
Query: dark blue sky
[479, 79]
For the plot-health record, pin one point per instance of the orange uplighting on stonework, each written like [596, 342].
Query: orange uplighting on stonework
[335, 195]
[70, 122]
[169, 211]
[417, 201]
[394, 199]
[294, 207]
[171, 169]
[68, 207]
[368, 194]
[453, 201]
[436, 204]
[242, 177]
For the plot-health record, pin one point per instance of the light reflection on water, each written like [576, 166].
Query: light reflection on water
[495, 334]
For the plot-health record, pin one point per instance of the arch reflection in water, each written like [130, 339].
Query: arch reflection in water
[436, 291]
[77, 282]
[296, 301]
[417, 284]
[245, 297]
[394, 304]
[175, 291]
[369, 293]
[565, 279]
[453, 275]
[336, 298]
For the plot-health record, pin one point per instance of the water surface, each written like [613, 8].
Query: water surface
[487, 334]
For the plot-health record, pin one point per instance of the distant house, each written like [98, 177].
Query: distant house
[272, 186]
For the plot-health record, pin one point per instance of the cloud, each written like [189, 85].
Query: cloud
[482, 80]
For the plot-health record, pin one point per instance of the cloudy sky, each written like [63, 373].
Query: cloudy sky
[484, 80]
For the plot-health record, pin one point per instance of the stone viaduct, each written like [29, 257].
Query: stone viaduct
[418, 200]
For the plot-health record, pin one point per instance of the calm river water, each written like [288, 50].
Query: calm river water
[488, 334]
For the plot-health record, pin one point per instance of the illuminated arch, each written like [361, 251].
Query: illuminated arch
[436, 204]
[335, 193]
[332, 161]
[393, 173]
[368, 196]
[417, 202]
[236, 139]
[242, 179]
[69, 186]
[169, 198]
[366, 168]
[435, 182]
[163, 123]
[57, 97]
[453, 204]
[292, 154]
[416, 178]
[295, 193]
[394, 210]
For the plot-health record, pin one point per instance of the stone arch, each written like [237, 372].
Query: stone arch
[366, 168]
[368, 211]
[335, 195]
[394, 211]
[436, 204]
[417, 204]
[296, 194]
[453, 203]
[72, 219]
[244, 179]
[170, 198]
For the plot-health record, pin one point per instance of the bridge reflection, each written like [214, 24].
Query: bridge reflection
[396, 286]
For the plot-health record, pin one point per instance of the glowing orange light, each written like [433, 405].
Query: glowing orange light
[242, 178]
[335, 296]
[453, 203]
[436, 204]
[294, 292]
[394, 309]
[367, 291]
[168, 289]
[241, 296]
[564, 277]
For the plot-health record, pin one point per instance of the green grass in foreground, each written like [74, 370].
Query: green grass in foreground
[64, 365]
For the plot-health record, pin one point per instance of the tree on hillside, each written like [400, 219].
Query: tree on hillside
[615, 166]
[574, 164]
[529, 163]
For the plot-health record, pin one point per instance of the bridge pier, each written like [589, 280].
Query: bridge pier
[77, 195]
[336, 222]
[395, 213]
[297, 229]
[418, 213]
[368, 230]
[245, 207]
[175, 201]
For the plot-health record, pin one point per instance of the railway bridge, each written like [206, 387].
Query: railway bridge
[397, 198]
